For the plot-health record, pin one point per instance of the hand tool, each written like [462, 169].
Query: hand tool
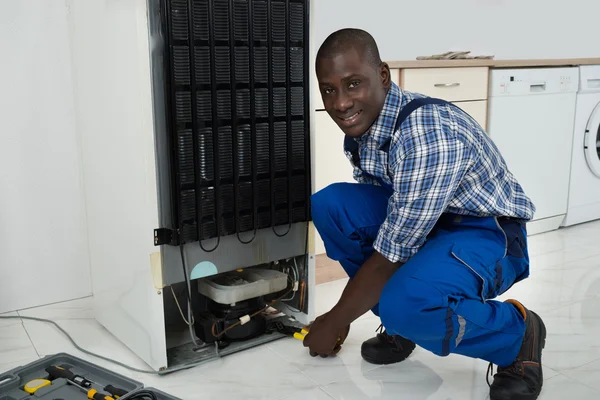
[303, 332]
[115, 391]
[33, 385]
[59, 372]
[92, 394]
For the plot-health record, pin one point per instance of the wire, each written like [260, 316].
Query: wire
[218, 335]
[246, 242]
[293, 282]
[210, 250]
[189, 294]
[171, 370]
[179, 307]
[286, 232]
[78, 347]
[140, 394]
[262, 310]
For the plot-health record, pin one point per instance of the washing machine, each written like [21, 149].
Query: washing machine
[584, 188]
[531, 114]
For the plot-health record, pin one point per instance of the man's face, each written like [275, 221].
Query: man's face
[353, 91]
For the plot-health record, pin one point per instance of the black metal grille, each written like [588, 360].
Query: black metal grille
[237, 96]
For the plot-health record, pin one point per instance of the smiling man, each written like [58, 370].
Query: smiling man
[431, 233]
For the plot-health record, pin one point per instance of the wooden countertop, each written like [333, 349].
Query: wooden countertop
[493, 63]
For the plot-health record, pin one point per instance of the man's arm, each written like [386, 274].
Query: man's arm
[426, 178]
[363, 292]
[425, 181]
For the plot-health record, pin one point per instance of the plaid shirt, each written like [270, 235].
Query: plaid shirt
[440, 160]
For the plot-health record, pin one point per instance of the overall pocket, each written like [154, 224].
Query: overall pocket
[514, 267]
[480, 264]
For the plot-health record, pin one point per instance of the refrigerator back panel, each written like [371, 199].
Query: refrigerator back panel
[237, 94]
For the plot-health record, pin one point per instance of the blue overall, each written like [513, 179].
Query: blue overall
[441, 298]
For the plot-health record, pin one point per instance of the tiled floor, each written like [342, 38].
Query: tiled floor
[328, 270]
[564, 288]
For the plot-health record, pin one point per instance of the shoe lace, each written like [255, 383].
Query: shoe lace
[515, 369]
[381, 331]
[489, 374]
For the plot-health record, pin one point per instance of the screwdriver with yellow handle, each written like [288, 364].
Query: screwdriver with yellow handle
[56, 372]
[59, 372]
[32, 386]
[92, 393]
[302, 334]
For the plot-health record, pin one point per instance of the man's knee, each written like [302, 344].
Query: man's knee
[326, 202]
[413, 309]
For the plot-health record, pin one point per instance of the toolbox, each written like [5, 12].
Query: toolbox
[65, 377]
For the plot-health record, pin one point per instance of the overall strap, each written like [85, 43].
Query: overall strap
[351, 145]
[413, 105]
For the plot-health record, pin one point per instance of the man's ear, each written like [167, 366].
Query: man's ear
[385, 75]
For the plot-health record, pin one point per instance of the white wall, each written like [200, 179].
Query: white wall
[508, 29]
[43, 231]
[43, 236]
[111, 68]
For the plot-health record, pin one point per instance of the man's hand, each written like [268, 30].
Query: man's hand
[324, 337]
[360, 295]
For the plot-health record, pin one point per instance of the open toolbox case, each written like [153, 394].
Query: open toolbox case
[12, 383]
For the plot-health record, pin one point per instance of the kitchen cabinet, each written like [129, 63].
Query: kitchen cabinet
[467, 87]
[476, 109]
[452, 84]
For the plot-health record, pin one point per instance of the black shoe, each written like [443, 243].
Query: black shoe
[523, 379]
[386, 349]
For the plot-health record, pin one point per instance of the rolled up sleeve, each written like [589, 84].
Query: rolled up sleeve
[425, 180]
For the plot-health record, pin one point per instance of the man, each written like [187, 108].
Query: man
[434, 228]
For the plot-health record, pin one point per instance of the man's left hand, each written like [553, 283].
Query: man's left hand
[324, 337]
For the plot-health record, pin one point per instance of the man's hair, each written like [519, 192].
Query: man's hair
[350, 38]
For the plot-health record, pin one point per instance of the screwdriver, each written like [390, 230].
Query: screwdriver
[303, 332]
[59, 372]
[91, 393]
[300, 335]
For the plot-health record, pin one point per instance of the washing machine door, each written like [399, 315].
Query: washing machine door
[592, 141]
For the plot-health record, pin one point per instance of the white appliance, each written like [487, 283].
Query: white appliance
[584, 190]
[531, 114]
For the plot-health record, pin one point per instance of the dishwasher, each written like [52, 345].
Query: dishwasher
[531, 115]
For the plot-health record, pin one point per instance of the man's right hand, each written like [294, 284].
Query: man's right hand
[314, 342]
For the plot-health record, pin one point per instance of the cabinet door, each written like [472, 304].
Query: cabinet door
[476, 109]
[395, 76]
[452, 84]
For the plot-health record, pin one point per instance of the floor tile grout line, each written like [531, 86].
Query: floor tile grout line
[565, 306]
[574, 380]
[28, 335]
[532, 258]
[575, 369]
[325, 391]
[289, 363]
[374, 367]
[322, 389]
[51, 304]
